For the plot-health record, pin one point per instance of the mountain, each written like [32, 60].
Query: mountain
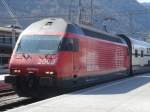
[116, 16]
[146, 5]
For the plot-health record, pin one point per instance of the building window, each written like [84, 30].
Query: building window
[8, 40]
[1, 40]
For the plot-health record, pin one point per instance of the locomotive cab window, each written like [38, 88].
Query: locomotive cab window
[70, 44]
[38, 44]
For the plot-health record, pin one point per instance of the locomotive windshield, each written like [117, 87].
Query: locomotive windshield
[41, 44]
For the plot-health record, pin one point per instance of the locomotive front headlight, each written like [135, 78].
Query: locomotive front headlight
[49, 72]
[16, 71]
[19, 71]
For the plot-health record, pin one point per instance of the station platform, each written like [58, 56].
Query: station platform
[126, 95]
[3, 85]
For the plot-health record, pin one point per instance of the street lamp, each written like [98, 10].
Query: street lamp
[85, 15]
[79, 14]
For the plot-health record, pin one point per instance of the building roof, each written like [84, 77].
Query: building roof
[6, 29]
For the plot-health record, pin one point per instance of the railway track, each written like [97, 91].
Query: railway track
[9, 99]
[6, 92]
[14, 101]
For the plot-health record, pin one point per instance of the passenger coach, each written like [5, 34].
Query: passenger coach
[139, 53]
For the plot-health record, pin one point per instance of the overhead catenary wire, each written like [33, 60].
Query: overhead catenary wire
[119, 13]
[11, 13]
[130, 14]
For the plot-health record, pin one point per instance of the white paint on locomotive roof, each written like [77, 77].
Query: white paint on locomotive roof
[58, 25]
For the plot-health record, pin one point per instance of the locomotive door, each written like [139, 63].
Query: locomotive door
[76, 66]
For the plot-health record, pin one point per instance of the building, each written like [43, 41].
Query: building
[8, 37]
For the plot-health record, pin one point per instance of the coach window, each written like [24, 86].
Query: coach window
[148, 50]
[136, 53]
[142, 53]
[148, 62]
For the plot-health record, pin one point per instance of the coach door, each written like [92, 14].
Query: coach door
[142, 58]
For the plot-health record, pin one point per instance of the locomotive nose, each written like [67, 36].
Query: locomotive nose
[48, 60]
[39, 65]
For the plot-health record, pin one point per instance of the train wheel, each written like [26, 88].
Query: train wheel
[129, 72]
[27, 90]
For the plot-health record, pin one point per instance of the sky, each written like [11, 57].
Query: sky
[144, 1]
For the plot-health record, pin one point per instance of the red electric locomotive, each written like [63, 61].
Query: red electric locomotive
[54, 54]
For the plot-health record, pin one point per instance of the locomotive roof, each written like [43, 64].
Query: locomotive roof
[58, 24]
[99, 31]
[48, 24]
[135, 42]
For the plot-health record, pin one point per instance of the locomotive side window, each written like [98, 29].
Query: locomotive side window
[136, 53]
[70, 44]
